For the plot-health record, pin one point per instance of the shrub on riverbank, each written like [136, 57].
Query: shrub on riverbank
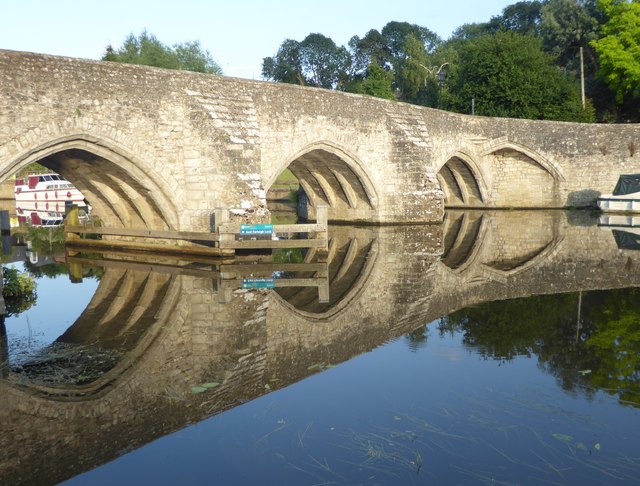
[18, 290]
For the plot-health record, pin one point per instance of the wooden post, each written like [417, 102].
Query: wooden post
[4, 350]
[323, 291]
[5, 226]
[72, 218]
[75, 272]
[582, 97]
[221, 219]
[322, 218]
[323, 288]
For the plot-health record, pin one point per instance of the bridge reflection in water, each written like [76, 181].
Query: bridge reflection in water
[169, 326]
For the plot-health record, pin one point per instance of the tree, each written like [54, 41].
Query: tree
[316, 61]
[509, 75]
[286, 65]
[473, 31]
[395, 36]
[325, 64]
[411, 69]
[371, 49]
[521, 17]
[567, 26]
[619, 48]
[148, 50]
[18, 290]
[378, 82]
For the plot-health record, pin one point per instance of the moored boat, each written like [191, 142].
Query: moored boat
[40, 218]
[41, 199]
[46, 192]
[625, 197]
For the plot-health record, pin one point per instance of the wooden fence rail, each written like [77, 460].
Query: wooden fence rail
[224, 240]
[226, 277]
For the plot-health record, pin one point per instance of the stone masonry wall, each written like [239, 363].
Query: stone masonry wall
[192, 142]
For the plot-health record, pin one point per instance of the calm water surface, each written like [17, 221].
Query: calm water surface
[500, 348]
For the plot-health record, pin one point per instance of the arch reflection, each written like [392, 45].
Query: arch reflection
[351, 251]
[111, 333]
[501, 242]
[180, 333]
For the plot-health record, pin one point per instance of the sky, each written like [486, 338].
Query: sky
[237, 33]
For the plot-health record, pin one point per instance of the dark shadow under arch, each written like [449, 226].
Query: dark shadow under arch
[460, 184]
[329, 177]
[121, 192]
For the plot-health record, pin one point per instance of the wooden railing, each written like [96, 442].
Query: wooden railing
[223, 241]
[226, 277]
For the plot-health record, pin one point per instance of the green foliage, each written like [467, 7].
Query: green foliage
[323, 61]
[409, 47]
[46, 240]
[615, 341]
[286, 65]
[286, 178]
[395, 35]
[34, 168]
[566, 26]
[602, 353]
[371, 49]
[521, 17]
[316, 61]
[524, 63]
[18, 290]
[148, 50]
[509, 75]
[411, 69]
[506, 329]
[378, 82]
[619, 48]
[285, 255]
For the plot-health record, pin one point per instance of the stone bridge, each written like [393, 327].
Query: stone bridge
[163, 149]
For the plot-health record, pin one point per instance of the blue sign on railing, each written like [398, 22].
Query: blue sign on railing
[256, 229]
[258, 283]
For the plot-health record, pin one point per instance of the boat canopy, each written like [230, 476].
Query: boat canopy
[627, 184]
[626, 241]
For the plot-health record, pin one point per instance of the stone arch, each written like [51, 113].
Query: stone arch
[461, 182]
[522, 177]
[516, 248]
[546, 164]
[333, 177]
[122, 190]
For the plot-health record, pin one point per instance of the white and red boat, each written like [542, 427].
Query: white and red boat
[46, 192]
[39, 218]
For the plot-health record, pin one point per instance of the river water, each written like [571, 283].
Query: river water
[499, 348]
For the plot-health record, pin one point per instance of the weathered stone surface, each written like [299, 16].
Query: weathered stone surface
[162, 149]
